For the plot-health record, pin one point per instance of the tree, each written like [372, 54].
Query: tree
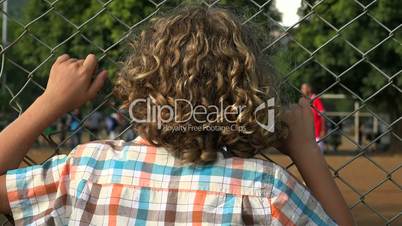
[80, 27]
[359, 58]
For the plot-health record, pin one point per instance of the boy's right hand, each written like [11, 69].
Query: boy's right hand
[299, 119]
[70, 83]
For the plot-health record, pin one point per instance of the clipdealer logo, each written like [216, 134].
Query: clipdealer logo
[164, 114]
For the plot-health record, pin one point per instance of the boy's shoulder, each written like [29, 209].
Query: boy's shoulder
[114, 147]
[250, 176]
[102, 149]
[108, 145]
[244, 168]
[105, 144]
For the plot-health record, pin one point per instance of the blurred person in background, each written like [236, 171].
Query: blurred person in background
[94, 124]
[49, 131]
[62, 127]
[112, 125]
[73, 122]
[335, 139]
[318, 109]
[125, 123]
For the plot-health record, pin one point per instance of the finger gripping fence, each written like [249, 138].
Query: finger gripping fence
[350, 51]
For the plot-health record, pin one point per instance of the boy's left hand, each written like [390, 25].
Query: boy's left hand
[70, 83]
[300, 140]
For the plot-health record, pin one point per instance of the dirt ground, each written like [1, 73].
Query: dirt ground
[362, 177]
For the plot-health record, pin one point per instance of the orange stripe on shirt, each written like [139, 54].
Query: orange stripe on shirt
[44, 189]
[199, 202]
[150, 159]
[276, 207]
[235, 183]
[114, 204]
[237, 163]
[64, 180]
[142, 141]
[33, 192]
[281, 217]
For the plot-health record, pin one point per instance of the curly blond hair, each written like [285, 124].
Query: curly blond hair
[206, 56]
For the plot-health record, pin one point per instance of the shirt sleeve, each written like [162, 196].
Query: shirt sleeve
[319, 105]
[34, 192]
[293, 204]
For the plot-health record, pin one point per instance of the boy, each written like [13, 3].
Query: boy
[167, 176]
[317, 109]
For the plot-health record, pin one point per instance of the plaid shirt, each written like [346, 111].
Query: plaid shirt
[134, 183]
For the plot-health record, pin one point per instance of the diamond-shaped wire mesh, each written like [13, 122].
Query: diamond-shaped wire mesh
[350, 50]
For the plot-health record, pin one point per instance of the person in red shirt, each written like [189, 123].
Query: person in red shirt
[317, 108]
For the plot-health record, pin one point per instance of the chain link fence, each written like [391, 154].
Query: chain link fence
[320, 48]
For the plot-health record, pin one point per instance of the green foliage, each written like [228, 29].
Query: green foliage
[98, 34]
[42, 33]
[42, 30]
[366, 35]
[71, 28]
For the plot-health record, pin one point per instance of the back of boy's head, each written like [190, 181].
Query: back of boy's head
[208, 58]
